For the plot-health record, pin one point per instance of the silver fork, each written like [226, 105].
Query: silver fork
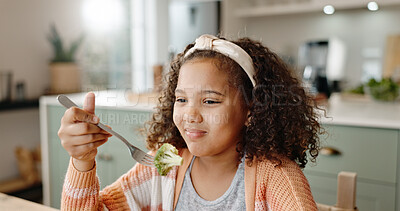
[136, 153]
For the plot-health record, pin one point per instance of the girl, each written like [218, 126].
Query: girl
[241, 122]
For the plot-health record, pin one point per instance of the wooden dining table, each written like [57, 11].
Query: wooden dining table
[13, 203]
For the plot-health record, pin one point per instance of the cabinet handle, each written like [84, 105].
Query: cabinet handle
[329, 151]
[105, 157]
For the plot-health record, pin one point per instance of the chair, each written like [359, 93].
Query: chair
[346, 194]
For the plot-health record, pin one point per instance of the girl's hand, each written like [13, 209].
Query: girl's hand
[80, 135]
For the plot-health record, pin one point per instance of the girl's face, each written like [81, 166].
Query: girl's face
[207, 111]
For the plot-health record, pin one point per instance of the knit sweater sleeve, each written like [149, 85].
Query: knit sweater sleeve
[141, 188]
[283, 187]
[81, 191]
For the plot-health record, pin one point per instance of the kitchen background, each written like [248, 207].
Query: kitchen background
[143, 34]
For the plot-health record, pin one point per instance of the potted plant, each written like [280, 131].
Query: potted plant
[64, 72]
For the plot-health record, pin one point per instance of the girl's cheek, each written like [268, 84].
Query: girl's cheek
[177, 118]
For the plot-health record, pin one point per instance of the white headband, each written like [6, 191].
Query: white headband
[229, 49]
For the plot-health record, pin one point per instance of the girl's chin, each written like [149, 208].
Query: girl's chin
[198, 150]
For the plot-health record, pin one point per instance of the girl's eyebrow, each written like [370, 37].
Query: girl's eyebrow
[179, 91]
[203, 92]
[212, 92]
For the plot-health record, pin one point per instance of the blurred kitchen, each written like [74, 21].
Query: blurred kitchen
[346, 53]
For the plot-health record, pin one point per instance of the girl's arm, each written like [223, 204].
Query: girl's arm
[140, 188]
[80, 137]
[81, 191]
[283, 187]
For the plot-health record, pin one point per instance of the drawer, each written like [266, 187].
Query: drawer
[370, 152]
[369, 196]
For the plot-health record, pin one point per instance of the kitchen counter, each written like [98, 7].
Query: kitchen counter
[13, 203]
[363, 112]
[123, 100]
[341, 110]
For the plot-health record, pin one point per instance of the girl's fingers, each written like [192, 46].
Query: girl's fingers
[87, 139]
[86, 157]
[83, 128]
[75, 114]
[85, 148]
[89, 102]
[82, 152]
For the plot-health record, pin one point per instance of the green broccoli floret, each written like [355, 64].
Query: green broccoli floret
[166, 158]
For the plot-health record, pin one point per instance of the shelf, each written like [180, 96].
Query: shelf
[305, 7]
[6, 106]
[277, 10]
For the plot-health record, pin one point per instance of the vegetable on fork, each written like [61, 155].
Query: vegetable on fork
[166, 158]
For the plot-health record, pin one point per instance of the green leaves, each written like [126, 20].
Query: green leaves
[62, 53]
[385, 90]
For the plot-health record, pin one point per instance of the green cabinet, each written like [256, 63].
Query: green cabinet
[113, 158]
[370, 152]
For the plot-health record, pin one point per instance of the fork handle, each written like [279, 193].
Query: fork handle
[67, 103]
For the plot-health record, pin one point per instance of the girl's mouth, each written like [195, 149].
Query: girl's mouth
[194, 133]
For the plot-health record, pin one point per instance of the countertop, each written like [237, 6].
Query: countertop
[361, 111]
[120, 99]
[13, 203]
[341, 110]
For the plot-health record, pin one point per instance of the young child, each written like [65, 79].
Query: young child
[242, 123]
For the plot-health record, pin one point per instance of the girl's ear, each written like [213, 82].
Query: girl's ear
[247, 122]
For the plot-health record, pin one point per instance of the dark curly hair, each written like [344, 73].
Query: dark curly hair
[282, 119]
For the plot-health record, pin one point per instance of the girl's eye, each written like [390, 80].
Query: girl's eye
[180, 100]
[211, 102]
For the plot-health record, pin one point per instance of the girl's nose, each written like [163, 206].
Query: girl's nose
[193, 115]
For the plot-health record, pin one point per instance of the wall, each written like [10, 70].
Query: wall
[17, 128]
[190, 20]
[24, 48]
[25, 51]
[162, 28]
[360, 29]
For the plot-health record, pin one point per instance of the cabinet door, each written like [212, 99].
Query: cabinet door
[370, 152]
[58, 157]
[129, 124]
[370, 196]
[103, 156]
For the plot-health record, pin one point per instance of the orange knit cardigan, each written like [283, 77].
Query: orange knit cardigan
[266, 188]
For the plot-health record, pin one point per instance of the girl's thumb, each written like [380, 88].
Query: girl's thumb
[89, 102]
